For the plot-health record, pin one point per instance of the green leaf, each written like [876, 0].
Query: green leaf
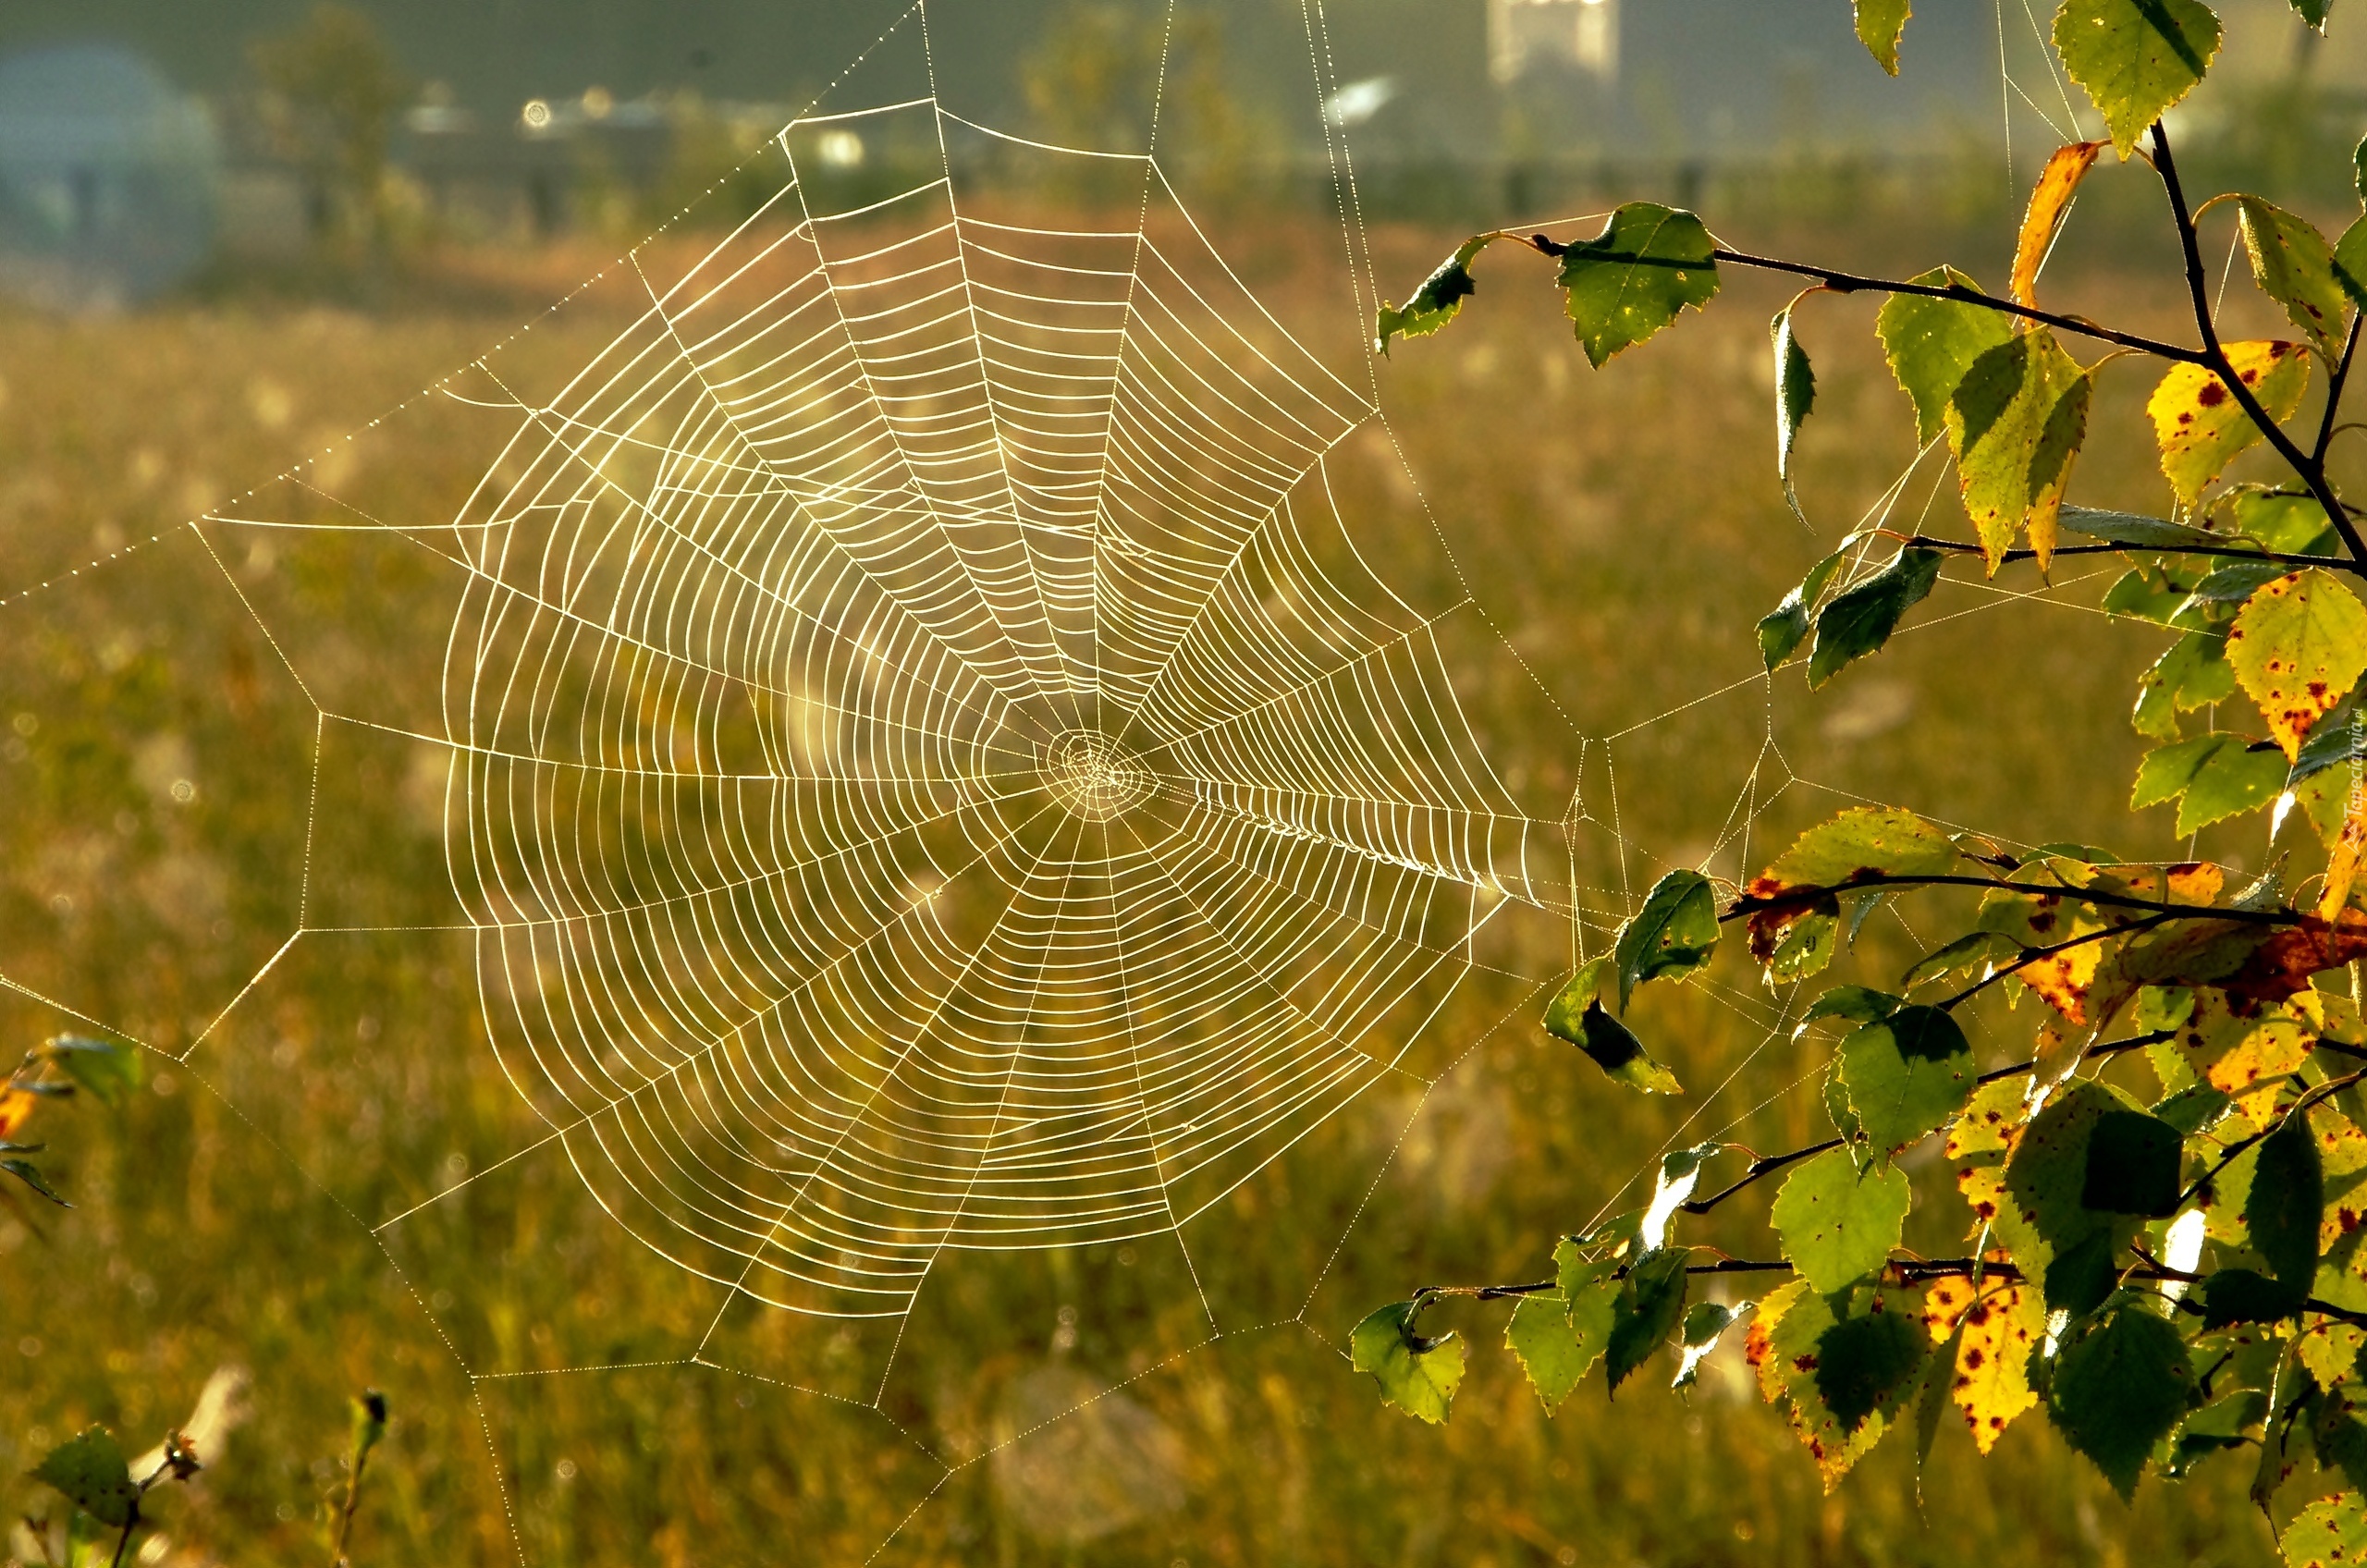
[1931, 343]
[1613, 1047]
[1564, 1013]
[2313, 12]
[2293, 525]
[2294, 266]
[2043, 1218]
[1438, 300]
[1856, 1004]
[107, 1070]
[1704, 1323]
[1650, 1301]
[2350, 259]
[2015, 424]
[1786, 626]
[25, 1170]
[1417, 1375]
[2135, 58]
[1680, 1174]
[2212, 777]
[1861, 619]
[1795, 396]
[2330, 1533]
[1674, 933]
[1558, 1339]
[2244, 1295]
[1971, 950]
[1907, 1075]
[1629, 282]
[2139, 532]
[1881, 24]
[1807, 946]
[2193, 674]
[2121, 1389]
[2194, 1107]
[2133, 1165]
[2298, 646]
[1838, 1224]
[92, 1475]
[1860, 1362]
[1855, 845]
[2288, 1198]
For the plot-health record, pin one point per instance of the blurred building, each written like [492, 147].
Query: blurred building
[108, 177]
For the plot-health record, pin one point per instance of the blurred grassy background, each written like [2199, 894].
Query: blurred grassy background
[1623, 530]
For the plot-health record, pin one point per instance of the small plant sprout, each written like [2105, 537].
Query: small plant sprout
[369, 1429]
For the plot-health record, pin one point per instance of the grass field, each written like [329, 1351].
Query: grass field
[1620, 530]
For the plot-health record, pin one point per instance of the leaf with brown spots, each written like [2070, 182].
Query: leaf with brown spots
[2199, 424]
[2281, 966]
[2294, 265]
[2342, 858]
[1981, 1142]
[2330, 1533]
[2002, 1323]
[2050, 205]
[2296, 647]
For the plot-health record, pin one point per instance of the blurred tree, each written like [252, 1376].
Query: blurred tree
[331, 88]
[1100, 71]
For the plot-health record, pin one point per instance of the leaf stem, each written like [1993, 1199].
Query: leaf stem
[1766, 1165]
[2311, 470]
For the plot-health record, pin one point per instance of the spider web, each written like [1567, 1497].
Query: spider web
[929, 771]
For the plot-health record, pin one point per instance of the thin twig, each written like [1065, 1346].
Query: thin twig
[2336, 380]
[1749, 904]
[2274, 558]
[2311, 473]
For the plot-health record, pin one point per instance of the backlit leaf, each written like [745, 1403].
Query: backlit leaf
[2135, 58]
[1839, 1224]
[1785, 628]
[1795, 395]
[1437, 301]
[1705, 1323]
[108, 1070]
[1853, 1004]
[1981, 1142]
[1558, 1339]
[2294, 265]
[1417, 1375]
[2015, 424]
[92, 1475]
[1629, 282]
[1881, 24]
[2350, 261]
[2043, 1218]
[1793, 1338]
[1995, 1328]
[1974, 950]
[2298, 646]
[1856, 844]
[1861, 619]
[2193, 675]
[2313, 12]
[1612, 1047]
[1907, 1075]
[1564, 1011]
[1651, 1301]
[1929, 343]
[2050, 202]
[2201, 427]
[2120, 1389]
[2330, 1533]
[2244, 1295]
[1674, 933]
[2212, 777]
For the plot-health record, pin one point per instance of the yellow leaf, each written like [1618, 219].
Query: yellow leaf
[2296, 647]
[2015, 424]
[1980, 1142]
[2050, 202]
[16, 1108]
[2199, 424]
[2342, 860]
[2001, 1325]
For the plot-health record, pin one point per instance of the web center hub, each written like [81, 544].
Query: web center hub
[1094, 776]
